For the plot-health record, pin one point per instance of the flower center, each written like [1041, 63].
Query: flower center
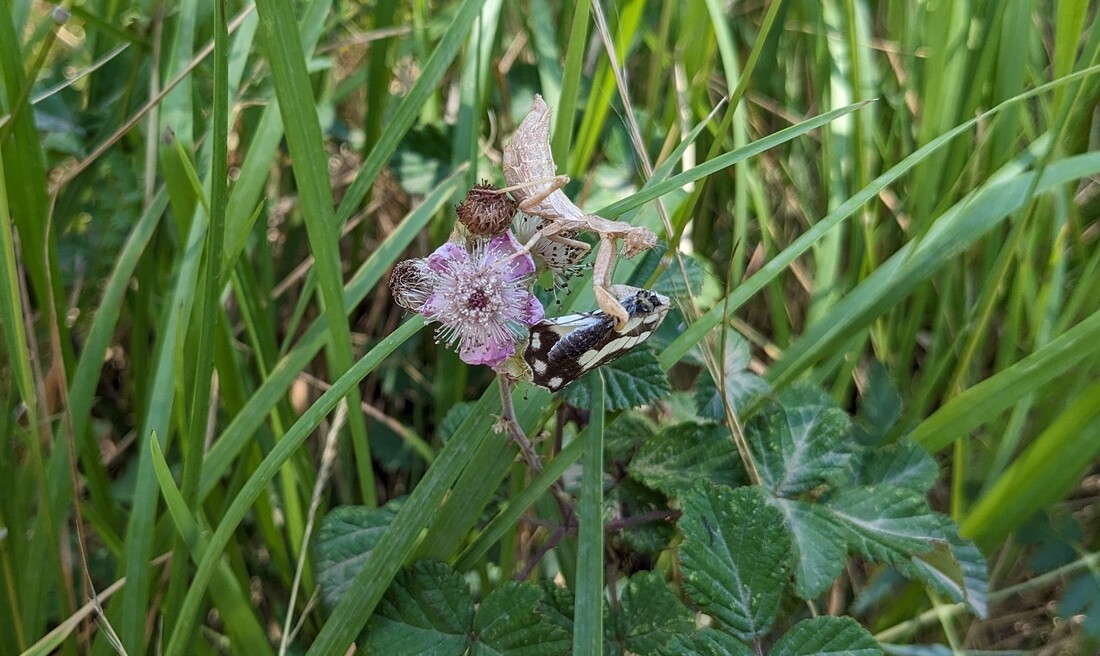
[477, 300]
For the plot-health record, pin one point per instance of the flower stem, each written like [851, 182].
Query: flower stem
[513, 427]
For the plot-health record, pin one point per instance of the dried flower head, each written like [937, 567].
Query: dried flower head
[485, 212]
[482, 298]
[411, 282]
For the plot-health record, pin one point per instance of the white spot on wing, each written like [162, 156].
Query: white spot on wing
[555, 382]
[540, 366]
[536, 339]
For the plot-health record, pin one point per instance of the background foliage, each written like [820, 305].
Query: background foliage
[890, 307]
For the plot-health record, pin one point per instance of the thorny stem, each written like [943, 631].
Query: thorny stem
[616, 524]
[570, 529]
[515, 431]
[513, 427]
[559, 533]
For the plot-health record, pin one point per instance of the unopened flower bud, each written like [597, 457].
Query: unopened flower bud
[485, 211]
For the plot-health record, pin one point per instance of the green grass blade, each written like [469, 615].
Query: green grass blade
[964, 224]
[722, 161]
[588, 611]
[987, 399]
[1048, 470]
[407, 111]
[518, 504]
[278, 30]
[566, 111]
[244, 425]
[233, 604]
[257, 483]
[696, 331]
[482, 477]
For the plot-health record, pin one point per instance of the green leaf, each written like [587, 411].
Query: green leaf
[904, 465]
[818, 548]
[588, 581]
[886, 524]
[742, 386]
[344, 542]
[557, 604]
[634, 379]
[623, 436]
[685, 453]
[420, 160]
[630, 498]
[707, 642]
[734, 557]
[826, 636]
[426, 610]
[1082, 597]
[879, 407]
[955, 569]
[508, 623]
[453, 419]
[650, 615]
[796, 444]
[671, 280]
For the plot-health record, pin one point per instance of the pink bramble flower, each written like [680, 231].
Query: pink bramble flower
[482, 298]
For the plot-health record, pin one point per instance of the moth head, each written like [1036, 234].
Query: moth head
[647, 309]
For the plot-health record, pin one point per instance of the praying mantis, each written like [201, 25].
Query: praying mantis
[532, 179]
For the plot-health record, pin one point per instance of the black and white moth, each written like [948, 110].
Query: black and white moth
[563, 349]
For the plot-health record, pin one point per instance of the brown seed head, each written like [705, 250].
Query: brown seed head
[486, 212]
[411, 283]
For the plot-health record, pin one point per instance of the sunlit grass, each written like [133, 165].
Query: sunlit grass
[901, 183]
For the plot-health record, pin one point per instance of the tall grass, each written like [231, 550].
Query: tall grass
[215, 194]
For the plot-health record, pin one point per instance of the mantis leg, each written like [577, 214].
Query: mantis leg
[601, 280]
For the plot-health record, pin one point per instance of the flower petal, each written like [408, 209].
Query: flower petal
[435, 304]
[446, 257]
[532, 311]
[504, 247]
[491, 351]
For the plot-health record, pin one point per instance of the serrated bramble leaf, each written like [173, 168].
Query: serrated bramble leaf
[556, 604]
[707, 642]
[680, 406]
[685, 453]
[633, 380]
[818, 547]
[899, 465]
[344, 541]
[623, 436]
[742, 386]
[734, 557]
[508, 623]
[826, 636]
[649, 615]
[453, 419]
[426, 610]
[886, 524]
[630, 498]
[879, 407]
[671, 281]
[955, 568]
[796, 444]
[420, 161]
